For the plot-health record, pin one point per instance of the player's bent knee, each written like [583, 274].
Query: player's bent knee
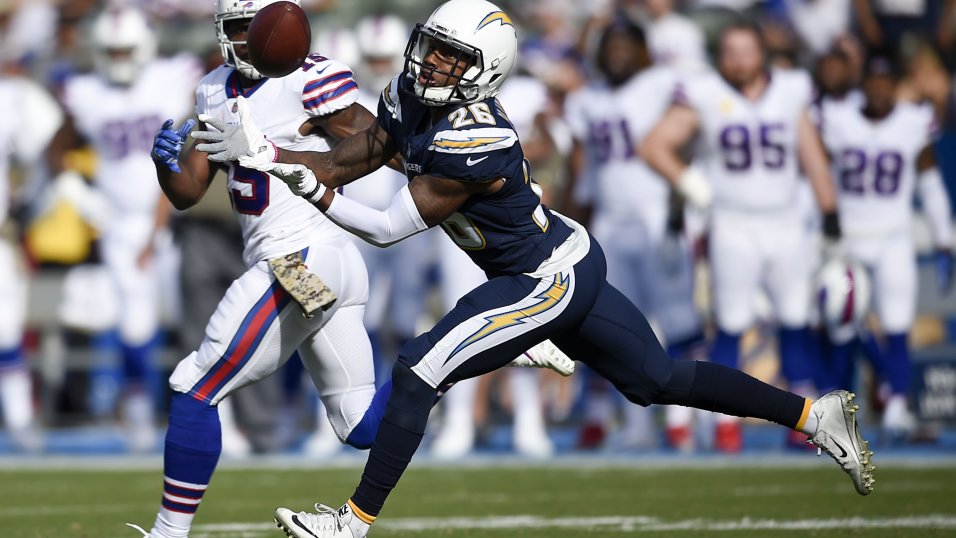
[411, 399]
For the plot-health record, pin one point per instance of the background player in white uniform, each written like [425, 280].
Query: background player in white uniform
[882, 153]
[29, 120]
[630, 201]
[755, 130]
[118, 109]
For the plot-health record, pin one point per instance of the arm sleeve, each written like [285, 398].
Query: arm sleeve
[936, 206]
[380, 228]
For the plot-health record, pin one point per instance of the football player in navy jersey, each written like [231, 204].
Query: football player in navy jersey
[468, 175]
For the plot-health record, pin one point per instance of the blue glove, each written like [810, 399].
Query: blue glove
[169, 143]
[944, 270]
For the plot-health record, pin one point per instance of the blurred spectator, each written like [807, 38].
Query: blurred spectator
[30, 119]
[118, 109]
[885, 23]
[27, 30]
[818, 23]
[646, 259]
[672, 38]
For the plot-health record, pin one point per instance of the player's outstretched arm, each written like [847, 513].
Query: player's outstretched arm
[352, 158]
[184, 178]
[661, 151]
[938, 211]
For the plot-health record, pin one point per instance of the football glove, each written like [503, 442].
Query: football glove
[694, 187]
[169, 143]
[301, 181]
[228, 142]
[944, 270]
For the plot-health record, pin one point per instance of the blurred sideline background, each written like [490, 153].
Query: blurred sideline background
[71, 347]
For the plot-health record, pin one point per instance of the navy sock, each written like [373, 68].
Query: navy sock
[897, 363]
[726, 349]
[714, 387]
[399, 436]
[363, 434]
[193, 445]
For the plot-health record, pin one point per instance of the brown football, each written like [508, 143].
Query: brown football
[279, 39]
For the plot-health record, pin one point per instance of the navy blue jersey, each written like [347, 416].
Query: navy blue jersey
[505, 233]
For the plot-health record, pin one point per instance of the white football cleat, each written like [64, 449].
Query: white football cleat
[327, 523]
[839, 436]
[545, 355]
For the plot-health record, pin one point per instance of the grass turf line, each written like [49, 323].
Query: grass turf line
[540, 502]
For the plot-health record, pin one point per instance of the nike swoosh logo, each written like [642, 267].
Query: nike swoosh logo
[470, 162]
[295, 519]
[844, 454]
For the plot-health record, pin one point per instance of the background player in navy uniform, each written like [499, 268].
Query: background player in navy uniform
[546, 274]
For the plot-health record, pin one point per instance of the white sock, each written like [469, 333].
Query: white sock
[16, 398]
[163, 528]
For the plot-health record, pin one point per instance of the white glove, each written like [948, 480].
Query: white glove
[92, 206]
[229, 142]
[301, 181]
[695, 188]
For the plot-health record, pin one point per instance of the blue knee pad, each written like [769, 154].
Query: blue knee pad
[363, 433]
[726, 349]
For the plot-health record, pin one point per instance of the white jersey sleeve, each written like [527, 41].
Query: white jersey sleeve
[327, 86]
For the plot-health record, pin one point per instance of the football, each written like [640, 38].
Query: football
[279, 38]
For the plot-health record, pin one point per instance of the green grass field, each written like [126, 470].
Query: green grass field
[560, 502]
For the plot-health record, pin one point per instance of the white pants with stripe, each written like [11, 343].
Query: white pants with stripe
[257, 327]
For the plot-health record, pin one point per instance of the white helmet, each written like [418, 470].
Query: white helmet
[122, 30]
[230, 10]
[843, 297]
[381, 39]
[482, 34]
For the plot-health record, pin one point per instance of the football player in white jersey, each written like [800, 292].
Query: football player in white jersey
[29, 120]
[117, 109]
[755, 134]
[882, 153]
[629, 201]
[306, 285]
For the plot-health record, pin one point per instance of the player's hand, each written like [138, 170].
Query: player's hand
[169, 143]
[944, 270]
[228, 142]
[301, 181]
[695, 188]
